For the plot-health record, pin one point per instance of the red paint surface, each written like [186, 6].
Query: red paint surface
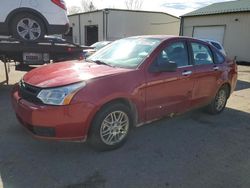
[153, 95]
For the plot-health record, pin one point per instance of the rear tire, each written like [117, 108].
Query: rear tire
[27, 27]
[218, 104]
[110, 127]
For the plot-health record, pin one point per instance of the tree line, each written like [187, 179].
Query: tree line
[88, 5]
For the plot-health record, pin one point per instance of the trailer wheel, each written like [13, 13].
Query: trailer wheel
[27, 27]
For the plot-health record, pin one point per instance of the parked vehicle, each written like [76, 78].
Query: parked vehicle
[31, 20]
[100, 45]
[130, 82]
[50, 49]
[216, 44]
[95, 47]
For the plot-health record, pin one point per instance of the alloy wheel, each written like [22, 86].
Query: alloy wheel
[220, 100]
[114, 127]
[29, 29]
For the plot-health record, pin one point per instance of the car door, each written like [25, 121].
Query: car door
[169, 92]
[207, 73]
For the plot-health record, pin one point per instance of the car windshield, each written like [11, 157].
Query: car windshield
[126, 53]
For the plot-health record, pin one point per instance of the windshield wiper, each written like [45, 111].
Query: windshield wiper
[99, 62]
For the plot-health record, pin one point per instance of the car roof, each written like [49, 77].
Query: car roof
[209, 40]
[163, 37]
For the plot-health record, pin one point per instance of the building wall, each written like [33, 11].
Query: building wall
[74, 23]
[128, 23]
[236, 36]
[122, 24]
[86, 19]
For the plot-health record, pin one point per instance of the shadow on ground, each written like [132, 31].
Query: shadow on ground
[242, 85]
[192, 150]
[244, 63]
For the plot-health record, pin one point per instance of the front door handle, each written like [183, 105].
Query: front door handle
[186, 73]
[216, 68]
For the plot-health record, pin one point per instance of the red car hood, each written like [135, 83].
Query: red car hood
[67, 73]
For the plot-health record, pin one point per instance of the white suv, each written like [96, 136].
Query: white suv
[30, 20]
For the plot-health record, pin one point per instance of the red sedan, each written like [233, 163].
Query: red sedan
[128, 83]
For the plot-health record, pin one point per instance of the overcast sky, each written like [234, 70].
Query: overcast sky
[175, 7]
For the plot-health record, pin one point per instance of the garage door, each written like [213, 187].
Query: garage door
[210, 32]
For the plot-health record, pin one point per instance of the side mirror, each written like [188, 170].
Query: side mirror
[169, 66]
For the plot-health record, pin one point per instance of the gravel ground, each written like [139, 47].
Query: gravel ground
[192, 150]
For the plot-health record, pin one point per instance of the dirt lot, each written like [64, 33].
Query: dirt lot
[192, 150]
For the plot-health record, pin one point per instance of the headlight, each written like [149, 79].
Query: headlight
[60, 95]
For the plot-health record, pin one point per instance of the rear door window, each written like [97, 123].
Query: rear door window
[201, 54]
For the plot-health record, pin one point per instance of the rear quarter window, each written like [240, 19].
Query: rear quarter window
[216, 45]
[219, 58]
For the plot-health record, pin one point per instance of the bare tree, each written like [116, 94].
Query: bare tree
[87, 5]
[133, 4]
[74, 10]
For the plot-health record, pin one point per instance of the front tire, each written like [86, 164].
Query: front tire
[219, 102]
[110, 127]
[28, 28]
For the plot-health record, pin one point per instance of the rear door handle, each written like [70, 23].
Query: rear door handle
[186, 73]
[216, 68]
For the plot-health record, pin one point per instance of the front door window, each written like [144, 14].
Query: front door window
[175, 52]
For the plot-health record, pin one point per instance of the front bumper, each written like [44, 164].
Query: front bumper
[70, 122]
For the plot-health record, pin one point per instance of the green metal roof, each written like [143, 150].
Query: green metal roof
[220, 8]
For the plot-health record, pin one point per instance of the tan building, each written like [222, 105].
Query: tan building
[112, 24]
[227, 22]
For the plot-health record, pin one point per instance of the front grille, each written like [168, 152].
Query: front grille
[29, 92]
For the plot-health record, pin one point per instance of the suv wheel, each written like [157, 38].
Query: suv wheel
[27, 27]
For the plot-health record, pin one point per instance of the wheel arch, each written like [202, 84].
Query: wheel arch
[127, 102]
[17, 11]
[227, 84]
